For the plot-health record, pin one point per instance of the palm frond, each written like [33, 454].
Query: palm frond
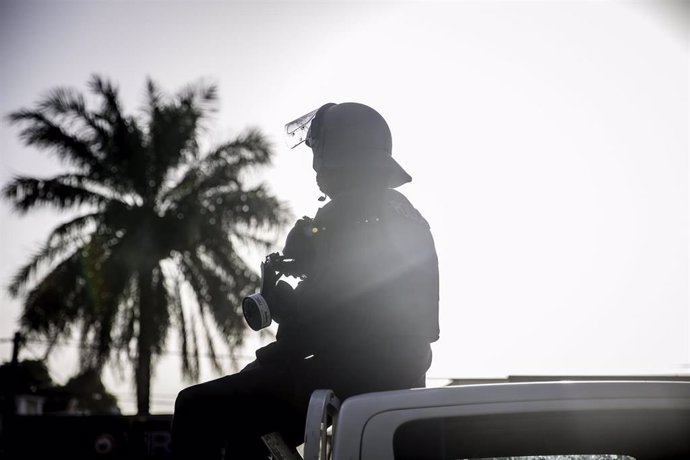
[123, 150]
[222, 167]
[63, 101]
[203, 293]
[69, 105]
[62, 192]
[174, 125]
[42, 132]
[255, 207]
[186, 334]
[223, 287]
[110, 108]
[172, 140]
[230, 207]
[239, 280]
[248, 237]
[61, 240]
[52, 306]
[74, 227]
[249, 149]
[126, 329]
[154, 95]
[210, 344]
[195, 354]
[203, 95]
[160, 311]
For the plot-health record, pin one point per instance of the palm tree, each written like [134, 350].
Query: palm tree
[158, 219]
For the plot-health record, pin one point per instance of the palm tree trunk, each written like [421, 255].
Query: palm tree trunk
[144, 345]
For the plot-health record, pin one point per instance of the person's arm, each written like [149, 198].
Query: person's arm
[371, 269]
[376, 277]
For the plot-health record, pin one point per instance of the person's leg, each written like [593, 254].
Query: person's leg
[198, 421]
[233, 411]
[399, 366]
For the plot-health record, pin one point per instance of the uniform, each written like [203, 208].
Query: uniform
[361, 320]
[370, 296]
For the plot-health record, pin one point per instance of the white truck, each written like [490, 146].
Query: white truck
[644, 420]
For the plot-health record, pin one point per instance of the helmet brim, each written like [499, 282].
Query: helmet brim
[383, 166]
[397, 176]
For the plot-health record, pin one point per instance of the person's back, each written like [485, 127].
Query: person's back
[363, 317]
[368, 309]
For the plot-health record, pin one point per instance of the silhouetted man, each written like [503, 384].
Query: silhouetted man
[361, 320]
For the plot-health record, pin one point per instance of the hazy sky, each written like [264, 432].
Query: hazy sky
[548, 142]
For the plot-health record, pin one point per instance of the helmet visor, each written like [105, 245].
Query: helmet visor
[296, 131]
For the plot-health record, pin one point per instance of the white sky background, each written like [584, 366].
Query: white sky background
[548, 142]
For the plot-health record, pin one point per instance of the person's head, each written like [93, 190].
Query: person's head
[352, 148]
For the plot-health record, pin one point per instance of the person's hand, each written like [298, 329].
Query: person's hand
[280, 301]
[296, 242]
[269, 278]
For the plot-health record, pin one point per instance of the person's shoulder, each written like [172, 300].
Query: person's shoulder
[353, 207]
[362, 206]
[398, 207]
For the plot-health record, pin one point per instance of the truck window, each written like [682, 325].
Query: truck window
[558, 435]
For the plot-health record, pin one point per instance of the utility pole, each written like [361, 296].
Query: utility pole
[8, 406]
[16, 343]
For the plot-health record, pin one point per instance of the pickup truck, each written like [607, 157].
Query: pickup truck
[609, 420]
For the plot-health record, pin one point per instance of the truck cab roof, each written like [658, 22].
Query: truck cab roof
[639, 419]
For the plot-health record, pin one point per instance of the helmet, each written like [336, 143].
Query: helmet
[354, 137]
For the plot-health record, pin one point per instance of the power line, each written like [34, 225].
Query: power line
[172, 352]
[162, 352]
